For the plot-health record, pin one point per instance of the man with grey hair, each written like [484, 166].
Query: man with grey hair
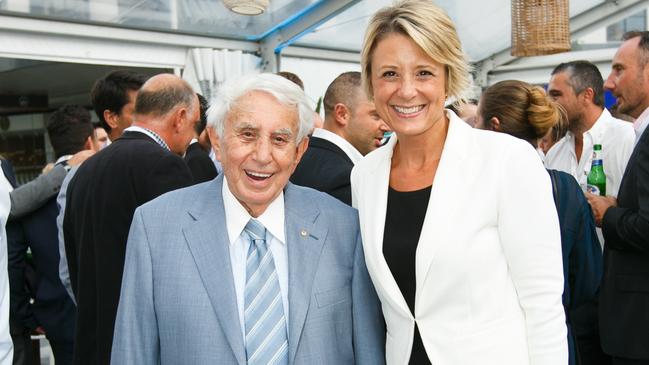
[578, 87]
[249, 268]
[352, 129]
[142, 164]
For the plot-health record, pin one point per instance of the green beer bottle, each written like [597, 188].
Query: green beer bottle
[596, 178]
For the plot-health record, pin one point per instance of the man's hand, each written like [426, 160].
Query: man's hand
[599, 205]
[79, 157]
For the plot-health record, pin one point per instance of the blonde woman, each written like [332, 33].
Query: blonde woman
[459, 228]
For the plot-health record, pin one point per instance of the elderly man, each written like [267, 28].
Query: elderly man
[248, 268]
[102, 196]
[352, 129]
[624, 298]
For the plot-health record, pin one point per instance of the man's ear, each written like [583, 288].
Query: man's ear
[215, 141]
[341, 114]
[180, 117]
[494, 124]
[110, 118]
[89, 144]
[301, 148]
[589, 94]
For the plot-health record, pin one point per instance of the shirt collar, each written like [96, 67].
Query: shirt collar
[339, 141]
[236, 216]
[63, 158]
[641, 123]
[599, 126]
[153, 135]
[596, 130]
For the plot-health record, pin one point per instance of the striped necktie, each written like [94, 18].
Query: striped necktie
[266, 338]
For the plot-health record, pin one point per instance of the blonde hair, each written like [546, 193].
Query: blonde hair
[523, 110]
[431, 29]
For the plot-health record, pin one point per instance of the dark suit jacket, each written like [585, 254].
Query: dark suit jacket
[101, 200]
[52, 308]
[624, 300]
[200, 164]
[325, 167]
[582, 269]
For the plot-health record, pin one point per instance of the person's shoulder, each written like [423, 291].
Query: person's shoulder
[175, 199]
[621, 128]
[495, 141]
[325, 203]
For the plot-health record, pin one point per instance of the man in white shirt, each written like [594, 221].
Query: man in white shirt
[578, 87]
[352, 129]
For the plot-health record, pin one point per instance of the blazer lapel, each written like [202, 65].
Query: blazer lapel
[305, 239]
[208, 242]
[373, 219]
[445, 197]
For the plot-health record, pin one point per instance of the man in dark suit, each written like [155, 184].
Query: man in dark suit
[142, 164]
[113, 98]
[624, 296]
[51, 312]
[352, 129]
[197, 159]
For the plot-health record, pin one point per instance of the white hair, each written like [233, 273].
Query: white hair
[285, 91]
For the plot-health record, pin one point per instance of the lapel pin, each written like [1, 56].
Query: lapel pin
[304, 233]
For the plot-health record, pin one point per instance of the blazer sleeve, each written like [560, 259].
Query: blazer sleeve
[626, 228]
[585, 260]
[136, 339]
[17, 266]
[530, 237]
[31, 196]
[368, 326]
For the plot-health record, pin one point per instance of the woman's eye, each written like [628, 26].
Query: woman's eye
[389, 74]
[424, 73]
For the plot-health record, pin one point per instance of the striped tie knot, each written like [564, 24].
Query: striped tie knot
[255, 230]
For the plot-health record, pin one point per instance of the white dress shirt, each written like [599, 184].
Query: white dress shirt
[640, 124]
[339, 141]
[236, 218]
[6, 346]
[617, 138]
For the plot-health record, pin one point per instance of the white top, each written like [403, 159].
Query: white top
[640, 124]
[236, 218]
[488, 264]
[339, 141]
[617, 138]
[6, 346]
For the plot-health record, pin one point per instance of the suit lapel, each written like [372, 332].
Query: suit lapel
[372, 214]
[446, 195]
[208, 242]
[305, 239]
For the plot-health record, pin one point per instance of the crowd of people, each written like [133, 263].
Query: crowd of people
[410, 226]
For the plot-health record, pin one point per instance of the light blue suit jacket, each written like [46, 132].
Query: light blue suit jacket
[178, 302]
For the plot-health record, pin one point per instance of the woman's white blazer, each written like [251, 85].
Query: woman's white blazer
[488, 262]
